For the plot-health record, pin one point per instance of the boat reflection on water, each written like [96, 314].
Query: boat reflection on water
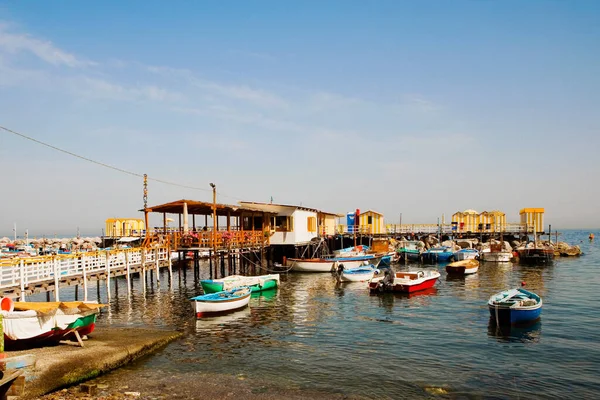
[522, 333]
[218, 321]
[263, 296]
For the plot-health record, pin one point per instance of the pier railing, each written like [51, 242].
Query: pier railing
[22, 274]
[232, 239]
[434, 229]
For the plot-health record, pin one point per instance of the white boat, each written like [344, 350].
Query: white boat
[221, 301]
[330, 264]
[496, 256]
[466, 254]
[463, 267]
[359, 274]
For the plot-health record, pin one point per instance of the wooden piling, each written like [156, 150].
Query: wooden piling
[108, 275]
[127, 273]
[84, 261]
[156, 265]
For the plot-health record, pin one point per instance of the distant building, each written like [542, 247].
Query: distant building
[121, 227]
[534, 218]
[371, 222]
[466, 221]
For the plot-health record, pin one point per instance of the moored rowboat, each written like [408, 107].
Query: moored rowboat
[221, 301]
[256, 283]
[463, 267]
[515, 306]
[359, 274]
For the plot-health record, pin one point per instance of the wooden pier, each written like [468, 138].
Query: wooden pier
[25, 276]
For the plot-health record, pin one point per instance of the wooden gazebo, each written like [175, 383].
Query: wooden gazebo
[245, 226]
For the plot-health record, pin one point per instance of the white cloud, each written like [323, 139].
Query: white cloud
[17, 42]
[99, 88]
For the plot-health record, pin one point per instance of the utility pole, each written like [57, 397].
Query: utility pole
[214, 210]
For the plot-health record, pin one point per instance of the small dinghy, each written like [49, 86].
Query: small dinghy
[358, 274]
[464, 267]
[466, 254]
[220, 302]
[256, 283]
[515, 306]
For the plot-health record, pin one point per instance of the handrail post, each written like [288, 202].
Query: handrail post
[22, 279]
[55, 265]
[128, 272]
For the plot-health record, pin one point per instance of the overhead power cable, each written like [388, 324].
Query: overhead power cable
[107, 165]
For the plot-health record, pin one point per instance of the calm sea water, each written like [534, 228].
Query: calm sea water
[315, 334]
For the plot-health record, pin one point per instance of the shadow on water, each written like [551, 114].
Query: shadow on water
[522, 333]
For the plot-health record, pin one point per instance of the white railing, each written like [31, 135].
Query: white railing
[455, 229]
[18, 273]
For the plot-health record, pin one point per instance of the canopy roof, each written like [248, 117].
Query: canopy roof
[277, 208]
[203, 208]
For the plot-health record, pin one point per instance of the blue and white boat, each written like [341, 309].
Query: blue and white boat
[352, 251]
[219, 302]
[437, 254]
[515, 306]
[358, 274]
[466, 254]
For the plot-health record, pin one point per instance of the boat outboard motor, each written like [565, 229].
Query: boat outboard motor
[340, 268]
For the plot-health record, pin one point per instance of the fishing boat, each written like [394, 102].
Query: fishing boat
[405, 282]
[256, 283]
[437, 254]
[331, 264]
[466, 254]
[409, 250]
[34, 324]
[220, 302]
[536, 253]
[463, 267]
[358, 274]
[515, 306]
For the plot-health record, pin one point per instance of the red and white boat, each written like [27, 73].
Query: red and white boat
[404, 282]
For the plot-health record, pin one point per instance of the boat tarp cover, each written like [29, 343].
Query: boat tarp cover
[235, 281]
[30, 323]
[68, 307]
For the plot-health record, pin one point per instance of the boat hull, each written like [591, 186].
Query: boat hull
[501, 256]
[328, 265]
[409, 255]
[466, 255]
[202, 308]
[536, 256]
[464, 267]
[404, 285]
[507, 316]
[256, 283]
[435, 257]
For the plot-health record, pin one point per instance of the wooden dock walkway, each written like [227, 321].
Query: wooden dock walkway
[25, 276]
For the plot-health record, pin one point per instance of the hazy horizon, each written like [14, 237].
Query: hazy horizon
[421, 108]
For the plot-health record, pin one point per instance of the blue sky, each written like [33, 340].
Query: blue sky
[421, 108]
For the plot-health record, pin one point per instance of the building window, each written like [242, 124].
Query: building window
[369, 220]
[312, 224]
[283, 224]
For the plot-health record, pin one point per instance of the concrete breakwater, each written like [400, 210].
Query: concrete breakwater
[61, 366]
[512, 243]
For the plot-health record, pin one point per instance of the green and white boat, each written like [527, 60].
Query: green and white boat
[256, 283]
[409, 250]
